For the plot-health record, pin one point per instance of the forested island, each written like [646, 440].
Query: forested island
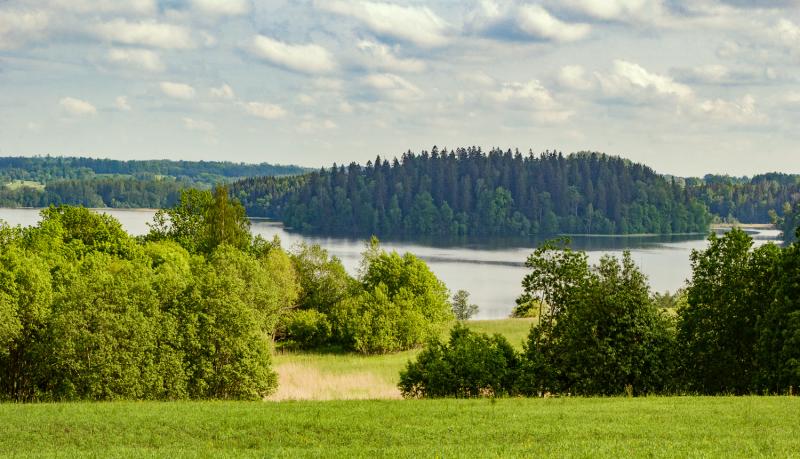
[468, 192]
[44, 180]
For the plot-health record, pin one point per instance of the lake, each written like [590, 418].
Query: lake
[491, 273]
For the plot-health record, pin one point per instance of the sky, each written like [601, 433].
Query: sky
[688, 88]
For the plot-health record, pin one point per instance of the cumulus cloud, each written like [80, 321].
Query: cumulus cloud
[414, 24]
[121, 102]
[264, 110]
[192, 124]
[524, 22]
[539, 23]
[574, 77]
[222, 7]
[531, 97]
[139, 58]
[223, 92]
[145, 33]
[393, 87]
[20, 27]
[742, 111]
[380, 56]
[614, 10]
[632, 81]
[177, 90]
[306, 58]
[77, 107]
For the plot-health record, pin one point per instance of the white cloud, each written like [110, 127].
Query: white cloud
[222, 7]
[305, 99]
[121, 102]
[630, 80]
[20, 27]
[414, 24]
[311, 126]
[614, 10]
[198, 125]
[574, 77]
[140, 58]
[787, 33]
[523, 21]
[223, 92]
[77, 107]
[177, 90]
[140, 7]
[145, 33]
[264, 110]
[742, 111]
[307, 58]
[393, 87]
[532, 97]
[382, 57]
[537, 22]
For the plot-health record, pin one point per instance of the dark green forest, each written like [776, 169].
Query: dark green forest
[467, 192]
[44, 181]
[44, 169]
[759, 199]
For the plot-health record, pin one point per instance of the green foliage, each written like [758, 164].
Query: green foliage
[88, 312]
[461, 306]
[466, 192]
[599, 333]
[789, 223]
[718, 329]
[307, 329]
[469, 365]
[397, 303]
[202, 221]
[401, 304]
[323, 280]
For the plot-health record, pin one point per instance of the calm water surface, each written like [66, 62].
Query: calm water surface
[491, 273]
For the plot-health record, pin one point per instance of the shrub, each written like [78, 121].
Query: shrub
[307, 328]
[469, 365]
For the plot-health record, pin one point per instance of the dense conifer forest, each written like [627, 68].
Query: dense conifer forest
[467, 192]
[759, 199]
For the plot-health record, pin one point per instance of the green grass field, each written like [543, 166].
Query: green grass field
[336, 376]
[561, 427]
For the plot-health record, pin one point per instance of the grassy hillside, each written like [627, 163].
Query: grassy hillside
[332, 376]
[566, 427]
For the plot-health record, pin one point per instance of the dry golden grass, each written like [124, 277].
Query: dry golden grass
[299, 381]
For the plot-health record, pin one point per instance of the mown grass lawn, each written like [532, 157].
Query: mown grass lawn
[562, 427]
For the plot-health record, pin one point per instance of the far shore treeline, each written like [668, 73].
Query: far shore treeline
[42, 181]
[433, 194]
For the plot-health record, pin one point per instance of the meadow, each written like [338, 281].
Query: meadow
[562, 427]
[350, 376]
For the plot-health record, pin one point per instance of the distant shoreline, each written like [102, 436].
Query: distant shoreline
[760, 226]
